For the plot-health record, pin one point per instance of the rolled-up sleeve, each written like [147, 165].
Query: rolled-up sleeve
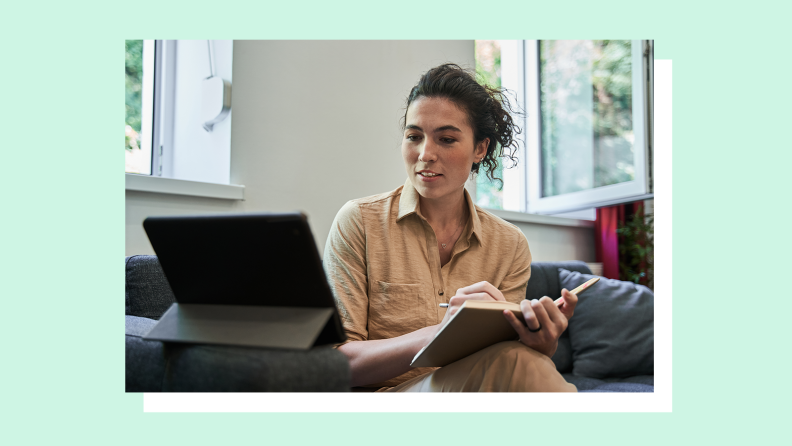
[345, 265]
[515, 283]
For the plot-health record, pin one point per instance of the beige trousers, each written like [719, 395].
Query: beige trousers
[504, 367]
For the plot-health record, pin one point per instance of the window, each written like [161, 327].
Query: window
[172, 86]
[587, 139]
[586, 134]
[139, 89]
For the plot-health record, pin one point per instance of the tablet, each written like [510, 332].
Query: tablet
[252, 279]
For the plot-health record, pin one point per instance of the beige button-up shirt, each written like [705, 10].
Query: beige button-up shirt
[383, 265]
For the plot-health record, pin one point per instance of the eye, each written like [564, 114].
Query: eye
[448, 140]
[413, 137]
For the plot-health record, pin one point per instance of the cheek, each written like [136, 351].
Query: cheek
[463, 162]
[408, 154]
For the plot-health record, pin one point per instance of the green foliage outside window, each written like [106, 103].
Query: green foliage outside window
[133, 101]
[568, 70]
[612, 117]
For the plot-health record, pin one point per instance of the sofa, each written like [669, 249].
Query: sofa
[153, 366]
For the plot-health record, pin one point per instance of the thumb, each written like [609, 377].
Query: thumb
[569, 303]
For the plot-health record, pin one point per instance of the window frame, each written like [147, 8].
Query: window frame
[638, 189]
[161, 122]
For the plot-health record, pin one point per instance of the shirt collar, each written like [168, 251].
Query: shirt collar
[408, 204]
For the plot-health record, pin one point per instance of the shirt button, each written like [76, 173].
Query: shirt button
[441, 292]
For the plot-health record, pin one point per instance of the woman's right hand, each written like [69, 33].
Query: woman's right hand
[477, 291]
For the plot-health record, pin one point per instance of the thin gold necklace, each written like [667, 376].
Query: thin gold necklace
[452, 237]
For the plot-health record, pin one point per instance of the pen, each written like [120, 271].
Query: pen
[560, 300]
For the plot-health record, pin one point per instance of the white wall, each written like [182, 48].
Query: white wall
[316, 123]
[551, 243]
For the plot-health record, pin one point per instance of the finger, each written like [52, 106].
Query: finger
[529, 315]
[515, 323]
[460, 299]
[482, 287]
[552, 310]
[541, 314]
[477, 287]
[570, 302]
[559, 320]
[478, 296]
[456, 301]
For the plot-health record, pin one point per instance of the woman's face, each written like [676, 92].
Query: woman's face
[438, 147]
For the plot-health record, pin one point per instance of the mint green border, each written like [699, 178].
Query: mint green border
[61, 277]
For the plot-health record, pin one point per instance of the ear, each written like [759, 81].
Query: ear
[481, 148]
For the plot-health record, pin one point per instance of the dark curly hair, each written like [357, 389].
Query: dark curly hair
[488, 110]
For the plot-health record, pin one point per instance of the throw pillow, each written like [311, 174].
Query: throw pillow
[612, 331]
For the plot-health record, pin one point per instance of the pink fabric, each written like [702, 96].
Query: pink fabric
[607, 241]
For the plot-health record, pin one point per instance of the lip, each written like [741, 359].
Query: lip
[428, 180]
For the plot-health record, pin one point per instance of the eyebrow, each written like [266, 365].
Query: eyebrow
[439, 129]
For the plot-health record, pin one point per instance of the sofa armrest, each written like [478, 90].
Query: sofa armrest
[147, 291]
[153, 366]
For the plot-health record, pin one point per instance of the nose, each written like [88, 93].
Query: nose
[428, 153]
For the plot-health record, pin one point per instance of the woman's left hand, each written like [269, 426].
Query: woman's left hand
[546, 322]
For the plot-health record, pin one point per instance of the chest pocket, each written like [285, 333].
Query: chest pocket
[395, 309]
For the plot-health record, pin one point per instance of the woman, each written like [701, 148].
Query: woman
[392, 258]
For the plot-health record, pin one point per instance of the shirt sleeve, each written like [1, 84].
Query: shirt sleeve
[344, 263]
[515, 283]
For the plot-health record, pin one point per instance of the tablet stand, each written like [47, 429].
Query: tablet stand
[242, 325]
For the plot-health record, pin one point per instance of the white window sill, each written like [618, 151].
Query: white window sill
[147, 183]
[512, 216]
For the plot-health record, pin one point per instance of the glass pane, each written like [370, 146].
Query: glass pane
[586, 106]
[138, 57]
[489, 194]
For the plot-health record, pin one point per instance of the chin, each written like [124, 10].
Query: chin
[430, 191]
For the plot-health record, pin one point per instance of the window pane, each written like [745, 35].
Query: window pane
[489, 193]
[137, 69]
[586, 107]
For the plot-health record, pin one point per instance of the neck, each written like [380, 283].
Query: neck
[445, 212]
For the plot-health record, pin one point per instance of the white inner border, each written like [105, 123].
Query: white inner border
[659, 401]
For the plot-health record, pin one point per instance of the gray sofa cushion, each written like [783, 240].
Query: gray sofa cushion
[621, 387]
[641, 383]
[612, 331]
[148, 293]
